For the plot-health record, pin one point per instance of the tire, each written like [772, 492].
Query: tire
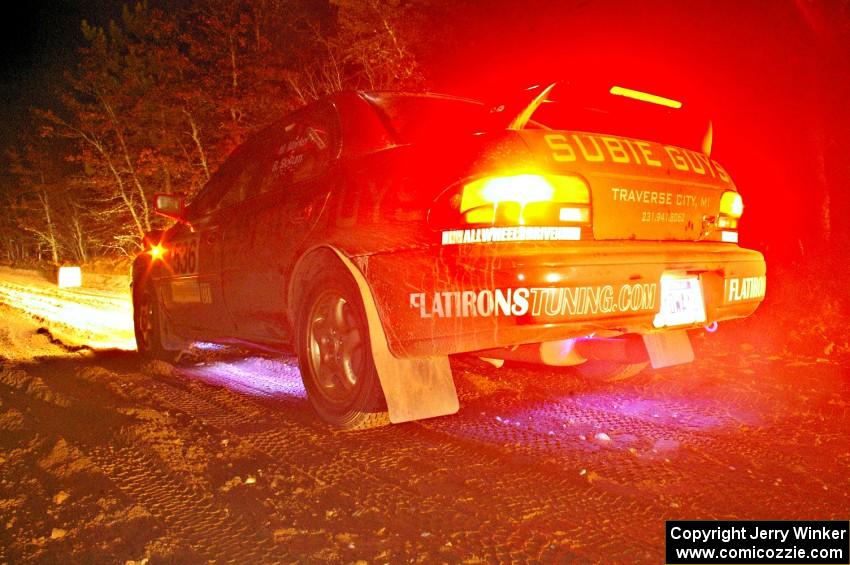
[609, 371]
[147, 325]
[334, 352]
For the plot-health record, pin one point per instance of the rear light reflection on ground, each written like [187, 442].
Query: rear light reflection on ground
[693, 414]
[628, 420]
[255, 376]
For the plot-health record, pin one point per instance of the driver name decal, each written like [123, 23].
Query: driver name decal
[536, 301]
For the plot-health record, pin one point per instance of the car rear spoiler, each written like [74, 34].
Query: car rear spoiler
[521, 119]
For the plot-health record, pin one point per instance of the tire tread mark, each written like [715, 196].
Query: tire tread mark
[194, 516]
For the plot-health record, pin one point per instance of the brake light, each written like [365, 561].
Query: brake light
[731, 204]
[645, 97]
[525, 199]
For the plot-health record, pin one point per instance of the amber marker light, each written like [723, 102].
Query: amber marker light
[645, 97]
[157, 252]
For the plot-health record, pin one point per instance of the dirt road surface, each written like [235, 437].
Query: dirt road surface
[108, 459]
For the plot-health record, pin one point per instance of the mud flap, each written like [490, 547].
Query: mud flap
[415, 388]
[170, 340]
[668, 348]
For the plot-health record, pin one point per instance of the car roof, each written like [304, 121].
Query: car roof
[376, 95]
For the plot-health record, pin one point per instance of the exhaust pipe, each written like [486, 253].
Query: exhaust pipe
[624, 349]
[574, 351]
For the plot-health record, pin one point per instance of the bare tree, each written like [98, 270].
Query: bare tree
[39, 176]
[159, 99]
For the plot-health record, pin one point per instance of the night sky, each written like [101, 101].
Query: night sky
[39, 43]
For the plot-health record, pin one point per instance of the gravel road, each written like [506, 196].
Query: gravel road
[107, 459]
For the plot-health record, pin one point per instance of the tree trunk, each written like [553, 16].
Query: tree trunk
[50, 236]
[79, 236]
[122, 190]
[145, 215]
[231, 44]
[196, 137]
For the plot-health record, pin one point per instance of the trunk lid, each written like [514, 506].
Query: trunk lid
[640, 190]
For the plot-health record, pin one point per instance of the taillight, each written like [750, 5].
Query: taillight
[731, 209]
[731, 204]
[523, 200]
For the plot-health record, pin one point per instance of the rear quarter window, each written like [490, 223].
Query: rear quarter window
[299, 148]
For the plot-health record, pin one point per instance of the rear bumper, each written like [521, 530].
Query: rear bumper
[457, 299]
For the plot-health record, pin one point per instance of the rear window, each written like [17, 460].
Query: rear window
[595, 109]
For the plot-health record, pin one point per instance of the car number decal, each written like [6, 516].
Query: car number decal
[183, 256]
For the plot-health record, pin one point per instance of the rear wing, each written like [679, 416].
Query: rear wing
[611, 109]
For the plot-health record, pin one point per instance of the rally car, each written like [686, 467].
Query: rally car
[378, 233]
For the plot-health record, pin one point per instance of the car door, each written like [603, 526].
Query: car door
[192, 287]
[266, 231]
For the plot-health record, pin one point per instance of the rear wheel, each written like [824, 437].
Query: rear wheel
[147, 324]
[609, 371]
[334, 352]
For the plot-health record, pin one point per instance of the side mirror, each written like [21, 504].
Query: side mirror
[169, 205]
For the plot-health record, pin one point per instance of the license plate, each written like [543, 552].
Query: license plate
[681, 302]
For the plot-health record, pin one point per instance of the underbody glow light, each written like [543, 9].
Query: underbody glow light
[645, 97]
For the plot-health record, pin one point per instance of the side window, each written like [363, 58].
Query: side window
[297, 148]
[208, 198]
[242, 185]
[302, 146]
[230, 184]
